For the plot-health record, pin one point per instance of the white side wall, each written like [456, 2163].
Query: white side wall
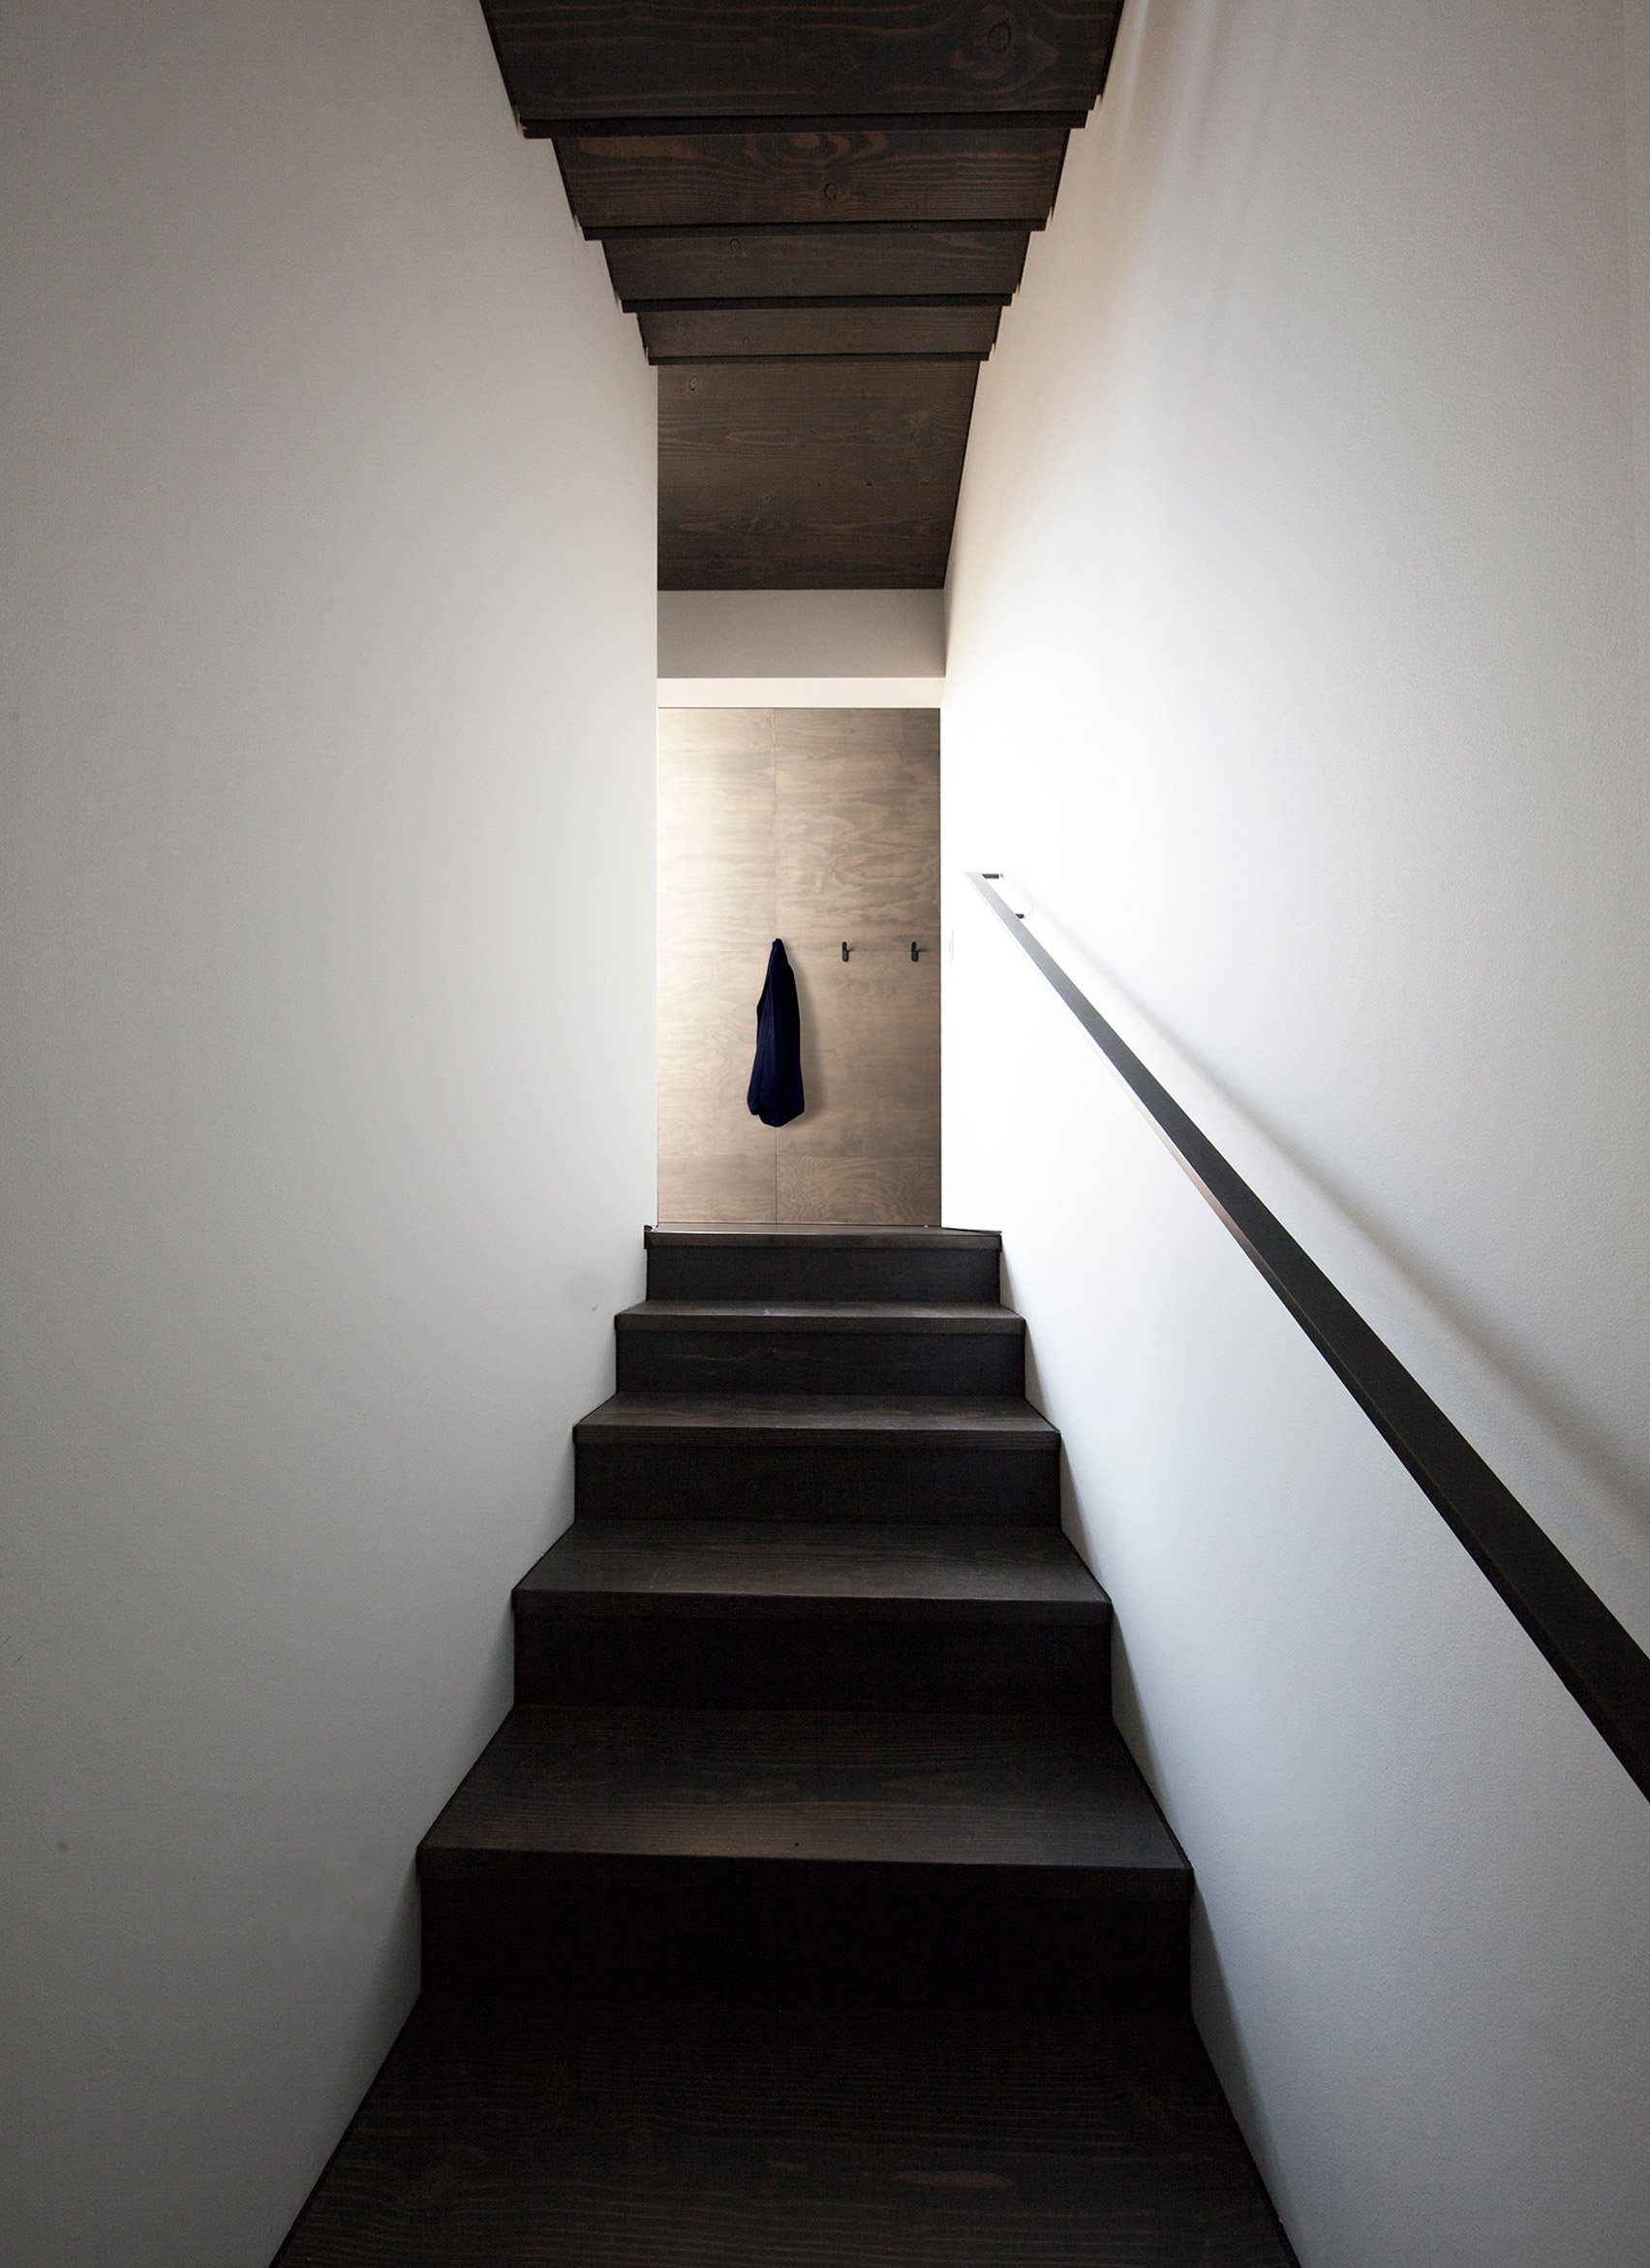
[801, 649]
[1294, 662]
[328, 660]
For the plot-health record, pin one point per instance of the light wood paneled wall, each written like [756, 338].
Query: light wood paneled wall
[818, 826]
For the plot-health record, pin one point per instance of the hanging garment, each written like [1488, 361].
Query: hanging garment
[774, 1094]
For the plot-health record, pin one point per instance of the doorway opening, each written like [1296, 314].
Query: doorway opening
[819, 827]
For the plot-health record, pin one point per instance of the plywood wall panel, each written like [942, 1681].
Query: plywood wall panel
[870, 1049]
[877, 1192]
[716, 924]
[819, 827]
[716, 829]
[857, 822]
[717, 1189]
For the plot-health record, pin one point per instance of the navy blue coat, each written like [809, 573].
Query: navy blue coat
[774, 1094]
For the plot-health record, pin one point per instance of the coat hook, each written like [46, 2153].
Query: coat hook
[916, 949]
[844, 948]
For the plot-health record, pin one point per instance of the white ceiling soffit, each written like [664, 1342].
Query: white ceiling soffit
[800, 693]
[801, 649]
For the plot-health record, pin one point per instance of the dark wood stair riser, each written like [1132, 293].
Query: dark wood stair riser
[910, 174]
[914, 1480]
[819, 1654]
[808, 1936]
[687, 1360]
[978, 265]
[946, 1275]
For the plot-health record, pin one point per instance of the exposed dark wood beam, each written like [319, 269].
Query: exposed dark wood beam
[905, 174]
[959, 121]
[787, 476]
[714, 263]
[818, 209]
[716, 334]
[575, 59]
[850, 300]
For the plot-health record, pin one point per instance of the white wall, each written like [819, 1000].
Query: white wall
[801, 649]
[328, 674]
[1294, 661]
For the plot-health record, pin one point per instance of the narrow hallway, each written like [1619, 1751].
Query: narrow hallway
[1095, 556]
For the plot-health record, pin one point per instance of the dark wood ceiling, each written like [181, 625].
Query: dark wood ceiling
[817, 210]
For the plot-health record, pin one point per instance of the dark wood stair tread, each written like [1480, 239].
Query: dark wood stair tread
[730, 1567]
[639, 2136]
[648, 2137]
[820, 1420]
[822, 1316]
[883, 1788]
[760, 1235]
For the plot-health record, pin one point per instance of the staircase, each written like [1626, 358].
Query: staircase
[806, 1908]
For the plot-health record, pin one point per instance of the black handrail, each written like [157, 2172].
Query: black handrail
[1603, 1666]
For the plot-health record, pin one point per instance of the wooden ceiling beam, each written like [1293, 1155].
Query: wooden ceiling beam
[577, 59]
[701, 334]
[818, 209]
[778, 263]
[809, 475]
[703, 412]
[726, 181]
[869, 300]
[879, 121]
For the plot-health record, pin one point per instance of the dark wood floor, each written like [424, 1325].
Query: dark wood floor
[512, 2135]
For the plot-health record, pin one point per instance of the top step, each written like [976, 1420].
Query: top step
[953, 1267]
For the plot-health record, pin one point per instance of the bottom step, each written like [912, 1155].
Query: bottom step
[672, 2137]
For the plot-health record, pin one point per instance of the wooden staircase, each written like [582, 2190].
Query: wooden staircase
[806, 1908]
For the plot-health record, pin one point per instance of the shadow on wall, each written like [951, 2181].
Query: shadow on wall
[817, 1083]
